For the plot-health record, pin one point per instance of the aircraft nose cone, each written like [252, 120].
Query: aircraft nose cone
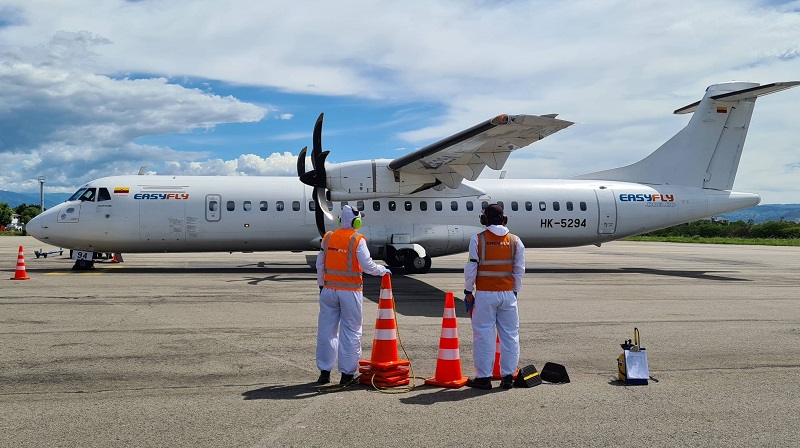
[34, 227]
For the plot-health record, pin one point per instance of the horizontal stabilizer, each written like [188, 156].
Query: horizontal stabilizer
[743, 94]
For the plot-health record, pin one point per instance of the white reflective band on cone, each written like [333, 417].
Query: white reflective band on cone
[450, 333]
[385, 335]
[449, 313]
[385, 313]
[448, 354]
[386, 294]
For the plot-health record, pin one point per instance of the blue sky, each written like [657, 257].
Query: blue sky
[90, 88]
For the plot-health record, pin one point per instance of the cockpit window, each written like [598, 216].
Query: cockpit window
[77, 194]
[103, 194]
[88, 195]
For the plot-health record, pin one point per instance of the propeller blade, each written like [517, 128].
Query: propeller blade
[319, 173]
[319, 216]
[301, 162]
[322, 203]
[316, 147]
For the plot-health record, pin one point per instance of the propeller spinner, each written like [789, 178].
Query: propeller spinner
[316, 177]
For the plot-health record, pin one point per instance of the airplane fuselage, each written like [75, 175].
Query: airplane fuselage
[207, 214]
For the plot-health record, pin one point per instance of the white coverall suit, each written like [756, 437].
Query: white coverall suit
[495, 309]
[339, 325]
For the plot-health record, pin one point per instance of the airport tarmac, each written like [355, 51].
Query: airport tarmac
[218, 350]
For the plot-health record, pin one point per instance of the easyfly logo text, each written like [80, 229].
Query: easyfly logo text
[643, 197]
[161, 196]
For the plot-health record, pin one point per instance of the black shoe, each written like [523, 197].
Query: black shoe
[507, 382]
[324, 377]
[480, 383]
[346, 378]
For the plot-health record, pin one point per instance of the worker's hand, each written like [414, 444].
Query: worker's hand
[388, 271]
[469, 303]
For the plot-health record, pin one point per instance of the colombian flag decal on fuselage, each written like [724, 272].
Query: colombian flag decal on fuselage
[121, 190]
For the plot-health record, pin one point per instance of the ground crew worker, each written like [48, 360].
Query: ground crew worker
[343, 257]
[494, 273]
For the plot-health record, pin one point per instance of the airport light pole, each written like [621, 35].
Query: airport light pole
[41, 192]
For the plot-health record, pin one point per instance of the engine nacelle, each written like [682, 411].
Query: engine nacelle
[369, 179]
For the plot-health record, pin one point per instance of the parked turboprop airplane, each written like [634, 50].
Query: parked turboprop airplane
[424, 204]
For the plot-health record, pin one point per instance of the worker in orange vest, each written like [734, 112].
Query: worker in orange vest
[492, 279]
[343, 257]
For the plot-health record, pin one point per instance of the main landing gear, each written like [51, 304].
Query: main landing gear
[409, 259]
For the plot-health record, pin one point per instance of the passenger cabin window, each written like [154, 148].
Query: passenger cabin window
[556, 206]
[231, 206]
[583, 206]
[484, 205]
[514, 206]
[247, 206]
[330, 205]
[279, 206]
[296, 206]
[454, 206]
[529, 206]
[469, 206]
[407, 206]
[312, 206]
[392, 206]
[263, 206]
[569, 206]
[360, 206]
[438, 206]
[103, 195]
[542, 206]
[423, 206]
[500, 203]
[376, 206]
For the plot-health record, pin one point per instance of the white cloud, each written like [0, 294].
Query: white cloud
[56, 113]
[275, 164]
[616, 68]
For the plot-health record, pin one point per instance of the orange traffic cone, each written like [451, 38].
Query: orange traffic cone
[496, 372]
[384, 368]
[20, 273]
[448, 363]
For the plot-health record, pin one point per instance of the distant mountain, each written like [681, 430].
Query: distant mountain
[765, 212]
[50, 199]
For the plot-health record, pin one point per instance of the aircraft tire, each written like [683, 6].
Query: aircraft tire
[417, 265]
[392, 259]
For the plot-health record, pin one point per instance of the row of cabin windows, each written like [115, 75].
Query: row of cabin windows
[392, 206]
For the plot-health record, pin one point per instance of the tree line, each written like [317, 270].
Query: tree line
[26, 213]
[738, 229]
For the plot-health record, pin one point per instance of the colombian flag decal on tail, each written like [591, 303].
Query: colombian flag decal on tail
[722, 110]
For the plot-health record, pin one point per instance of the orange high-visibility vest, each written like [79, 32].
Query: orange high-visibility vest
[496, 262]
[342, 270]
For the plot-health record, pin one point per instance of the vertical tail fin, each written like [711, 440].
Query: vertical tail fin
[705, 153]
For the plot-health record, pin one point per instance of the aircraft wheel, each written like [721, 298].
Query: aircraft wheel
[417, 265]
[393, 258]
[82, 265]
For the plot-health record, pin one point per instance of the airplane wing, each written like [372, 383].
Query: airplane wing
[465, 154]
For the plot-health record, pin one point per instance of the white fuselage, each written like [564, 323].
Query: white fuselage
[207, 214]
